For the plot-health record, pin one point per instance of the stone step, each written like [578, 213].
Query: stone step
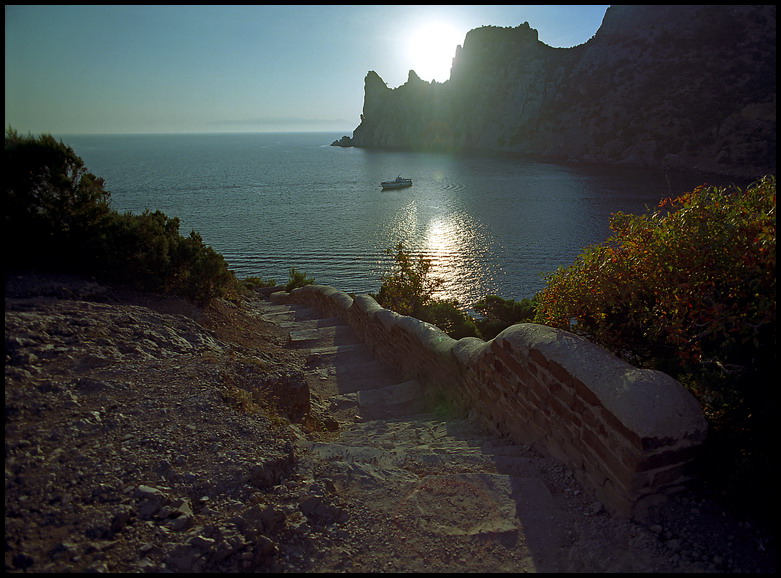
[303, 313]
[321, 322]
[281, 313]
[394, 400]
[347, 378]
[451, 478]
[318, 337]
[269, 307]
[436, 444]
[396, 448]
[287, 321]
[330, 353]
[417, 433]
[278, 314]
[465, 504]
[381, 457]
[426, 428]
[460, 497]
[278, 317]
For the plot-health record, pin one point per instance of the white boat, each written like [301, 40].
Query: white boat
[397, 183]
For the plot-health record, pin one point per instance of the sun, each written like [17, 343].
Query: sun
[432, 47]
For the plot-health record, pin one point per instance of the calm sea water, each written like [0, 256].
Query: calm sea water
[269, 202]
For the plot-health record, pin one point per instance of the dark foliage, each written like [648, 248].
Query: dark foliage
[58, 217]
[498, 314]
[410, 290]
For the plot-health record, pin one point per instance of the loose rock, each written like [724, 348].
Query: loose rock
[145, 434]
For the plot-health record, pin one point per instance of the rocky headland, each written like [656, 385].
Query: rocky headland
[684, 87]
[146, 434]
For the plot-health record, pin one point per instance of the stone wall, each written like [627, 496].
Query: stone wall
[628, 433]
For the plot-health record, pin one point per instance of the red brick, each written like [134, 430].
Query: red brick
[618, 471]
[584, 392]
[508, 358]
[538, 358]
[662, 478]
[561, 374]
[574, 418]
[668, 458]
[577, 406]
[613, 422]
[588, 417]
[560, 409]
[616, 499]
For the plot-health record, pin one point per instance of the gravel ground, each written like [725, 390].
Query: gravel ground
[144, 434]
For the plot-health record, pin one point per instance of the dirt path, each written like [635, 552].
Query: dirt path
[144, 434]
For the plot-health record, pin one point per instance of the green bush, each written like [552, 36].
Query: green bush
[498, 314]
[297, 279]
[148, 252]
[445, 314]
[52, 203]
[694, 281]
[690, 289]
[409, 290]
[255, 283]
[58, 217]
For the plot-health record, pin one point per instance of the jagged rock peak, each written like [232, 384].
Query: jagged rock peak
[373, 80]
[636, 21]
[413, 77]
[521, 33]
[489, 49]
[683, 87]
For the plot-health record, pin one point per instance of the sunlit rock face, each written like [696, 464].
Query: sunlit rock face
[690, 87]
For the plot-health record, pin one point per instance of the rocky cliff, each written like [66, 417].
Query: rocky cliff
[689, 87]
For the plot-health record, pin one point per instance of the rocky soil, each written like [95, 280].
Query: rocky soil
[145, 434]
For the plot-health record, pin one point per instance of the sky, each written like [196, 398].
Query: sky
[193, 69]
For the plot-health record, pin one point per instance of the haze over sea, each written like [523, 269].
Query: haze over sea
[271, 201]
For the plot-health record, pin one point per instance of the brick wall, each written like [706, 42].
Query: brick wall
[628, 433]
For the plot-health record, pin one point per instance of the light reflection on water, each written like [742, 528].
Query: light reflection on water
[270, 202]
[404, 222]
[456, 247]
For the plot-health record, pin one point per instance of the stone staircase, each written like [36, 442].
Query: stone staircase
[434, 473]
[342, 367]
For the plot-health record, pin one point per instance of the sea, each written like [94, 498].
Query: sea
[269, 202]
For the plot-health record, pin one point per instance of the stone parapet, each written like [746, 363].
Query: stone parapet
[628, 433]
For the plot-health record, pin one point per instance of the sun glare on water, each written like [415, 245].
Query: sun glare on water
[432, 47]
